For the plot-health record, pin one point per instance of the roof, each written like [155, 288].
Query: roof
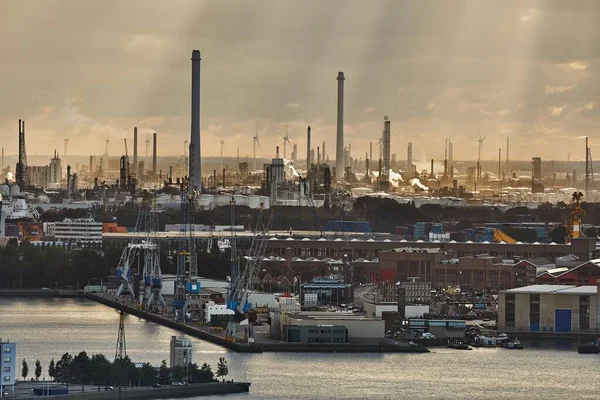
[555, 289]
[416, 250]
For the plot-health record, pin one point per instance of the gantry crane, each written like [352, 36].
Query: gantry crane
[186, 303]
[123, 270]
[246, 279]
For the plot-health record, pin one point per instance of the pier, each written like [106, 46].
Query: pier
[200, 332]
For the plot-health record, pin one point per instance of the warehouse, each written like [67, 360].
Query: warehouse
[352, 327]
[550, 308]
[375, 310]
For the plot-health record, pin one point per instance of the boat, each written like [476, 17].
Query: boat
[588, 348]
[485, 341]
[512, 344]
[459, 346]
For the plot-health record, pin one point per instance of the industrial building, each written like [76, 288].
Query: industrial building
[376, 310]
[358, 329]
[550, 308]
[181, 352]
[81, 231]
[8, 365]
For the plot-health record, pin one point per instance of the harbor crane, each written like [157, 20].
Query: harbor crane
[123, 270]
[151, 297]
[243, 281]
[186, 302]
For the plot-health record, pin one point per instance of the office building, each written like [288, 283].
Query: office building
[8, 365]
[181, 352]
[82, 230]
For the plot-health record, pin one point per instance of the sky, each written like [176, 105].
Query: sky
[92, 70]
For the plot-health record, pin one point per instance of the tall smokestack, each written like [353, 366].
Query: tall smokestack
[91, 164]
[135, 147]
[195, 164]
[323, 152]
[154, 154]
[409, 168]
[308, 160]
[386, 149]
[339, 149]
[507, 165]
[587, 166]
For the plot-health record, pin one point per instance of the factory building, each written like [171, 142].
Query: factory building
[550, 308]
[377, 310]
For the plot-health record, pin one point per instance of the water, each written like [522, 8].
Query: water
[47, 328]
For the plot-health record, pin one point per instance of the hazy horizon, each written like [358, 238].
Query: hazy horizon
[438, 69]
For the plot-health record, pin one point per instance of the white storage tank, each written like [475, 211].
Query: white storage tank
[253, 201]
[240, 200]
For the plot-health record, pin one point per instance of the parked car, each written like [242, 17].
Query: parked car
[157, 385]
[109, 389]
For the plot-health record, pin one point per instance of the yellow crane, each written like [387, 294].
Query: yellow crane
[575, 217]
[500, 236]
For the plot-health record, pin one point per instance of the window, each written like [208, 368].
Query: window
[534, 312]
[7, 349]
[6, 369]
[7, 359]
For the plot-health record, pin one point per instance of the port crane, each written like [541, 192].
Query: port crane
[151, 297]
[186, 302]
[242, 281]
[123, 270]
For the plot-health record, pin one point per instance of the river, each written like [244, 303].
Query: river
[46, 328]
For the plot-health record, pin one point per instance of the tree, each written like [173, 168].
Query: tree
[51, 369]
[100, 369]
[81, 369]
[205, 374]
[38, 370]
[163, 372]
[178, 373]
[64, 369]
[147, 375]
[24, 370]
[222, 368]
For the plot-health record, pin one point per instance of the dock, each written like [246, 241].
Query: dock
[202, 332]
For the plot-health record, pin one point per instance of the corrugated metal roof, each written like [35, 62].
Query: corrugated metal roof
[555, 289]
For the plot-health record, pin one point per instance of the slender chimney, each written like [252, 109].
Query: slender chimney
[318, 155]
[432, 176]
[308, 160]
[507, 162]
[135, 149]
[195, 163]
[154, 154]
[91, 164]
[323, 152]
[339, 150]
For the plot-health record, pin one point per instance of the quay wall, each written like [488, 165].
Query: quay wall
[259, 347]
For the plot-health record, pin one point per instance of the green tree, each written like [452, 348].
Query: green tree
[192, 371]
[205, 374]
[38, 370]
[51, 369]
[64, 369]
[147, 375]
[178, 373]
[163, 372]
[100, 370]
[222, 369]
[81, 369]
[24, 370]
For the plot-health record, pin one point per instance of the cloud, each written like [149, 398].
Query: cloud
[292, 105]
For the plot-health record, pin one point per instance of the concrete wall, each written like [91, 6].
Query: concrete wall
[522, 303]
[501, 311]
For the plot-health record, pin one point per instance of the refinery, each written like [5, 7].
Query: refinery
[372, 247]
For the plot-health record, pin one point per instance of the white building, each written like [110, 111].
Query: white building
[83, 230]
[376, 310]
[8, 365]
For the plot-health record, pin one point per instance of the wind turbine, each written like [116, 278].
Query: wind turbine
[255, 143]
[107, 142]
[286, 140]
[480, 140]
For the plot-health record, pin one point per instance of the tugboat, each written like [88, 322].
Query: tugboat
[512, 344]
[459, 345]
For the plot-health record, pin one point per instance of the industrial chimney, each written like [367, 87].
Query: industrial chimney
[154, 154]
[339, 149]
[135, 148]
[195, 163]
[308, 160]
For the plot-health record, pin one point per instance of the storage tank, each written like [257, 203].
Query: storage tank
[253, 201]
